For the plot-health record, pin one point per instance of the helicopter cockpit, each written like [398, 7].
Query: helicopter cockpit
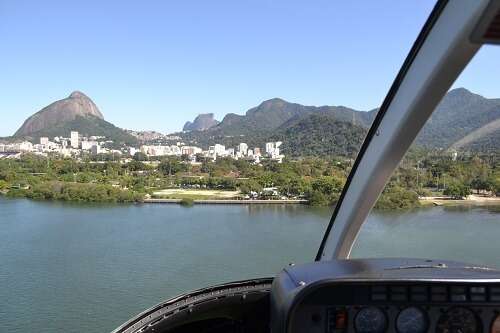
[336, 293]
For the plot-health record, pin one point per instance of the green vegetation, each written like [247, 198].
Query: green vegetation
[441, 173]
[55, 190]
[66, 179]
[318, 180]
[307, 137]
[457, 190]
[187, 202]
[396, 197]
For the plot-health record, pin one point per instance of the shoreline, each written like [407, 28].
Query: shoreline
[227, 201]
[471, 200]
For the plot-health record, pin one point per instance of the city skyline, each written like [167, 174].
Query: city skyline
[77, 145]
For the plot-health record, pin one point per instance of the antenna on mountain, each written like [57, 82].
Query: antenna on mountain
[354, 118]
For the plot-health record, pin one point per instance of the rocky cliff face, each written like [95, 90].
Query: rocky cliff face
[201, 123]
[64, 110]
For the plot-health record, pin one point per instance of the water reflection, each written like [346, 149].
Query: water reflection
[467, 234]
[290, 210]
[62, 260]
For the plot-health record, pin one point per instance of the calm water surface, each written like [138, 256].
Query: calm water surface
[88, 268]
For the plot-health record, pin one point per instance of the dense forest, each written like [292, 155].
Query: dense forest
[308, 137]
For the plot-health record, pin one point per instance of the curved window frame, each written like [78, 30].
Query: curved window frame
[442, 50]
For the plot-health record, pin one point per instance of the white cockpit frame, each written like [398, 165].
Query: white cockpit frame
[442, 50]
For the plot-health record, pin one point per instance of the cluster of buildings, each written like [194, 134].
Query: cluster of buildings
[72, 146]
[242, 151]
[76, 144]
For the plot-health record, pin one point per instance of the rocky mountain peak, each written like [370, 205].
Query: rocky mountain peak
[202, 122]
[64, 110]
[78, 94]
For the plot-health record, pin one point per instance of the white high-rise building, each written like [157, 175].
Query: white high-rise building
[220, 150]
[190, 150]
[74, 139]
[243, 148]
[44, 140]
[270, 147]
[24, 146]
[87, 145]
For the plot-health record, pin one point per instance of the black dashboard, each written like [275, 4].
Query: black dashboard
[386, 295]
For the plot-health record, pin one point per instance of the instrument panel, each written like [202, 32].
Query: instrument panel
[386, 295]
[415, 308]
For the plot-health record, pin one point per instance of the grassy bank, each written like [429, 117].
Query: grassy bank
[192, 194]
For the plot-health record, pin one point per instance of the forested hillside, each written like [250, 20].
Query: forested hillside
[463, 121]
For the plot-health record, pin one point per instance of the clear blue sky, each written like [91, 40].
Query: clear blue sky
[155, 64]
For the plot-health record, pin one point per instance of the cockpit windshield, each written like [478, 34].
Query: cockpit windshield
[147, 149]
[442, 201]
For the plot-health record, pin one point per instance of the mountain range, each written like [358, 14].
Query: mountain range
[311, 130]
[463, 120]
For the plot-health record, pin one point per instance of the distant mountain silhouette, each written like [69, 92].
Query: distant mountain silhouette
[275, 112]
[462, 120]
[74, 113]
[305, 130]
[76, 105]
[202, 122]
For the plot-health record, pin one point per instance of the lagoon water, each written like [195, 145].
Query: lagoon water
[88, 268]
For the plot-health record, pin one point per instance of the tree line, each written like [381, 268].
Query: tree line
[318, 180]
